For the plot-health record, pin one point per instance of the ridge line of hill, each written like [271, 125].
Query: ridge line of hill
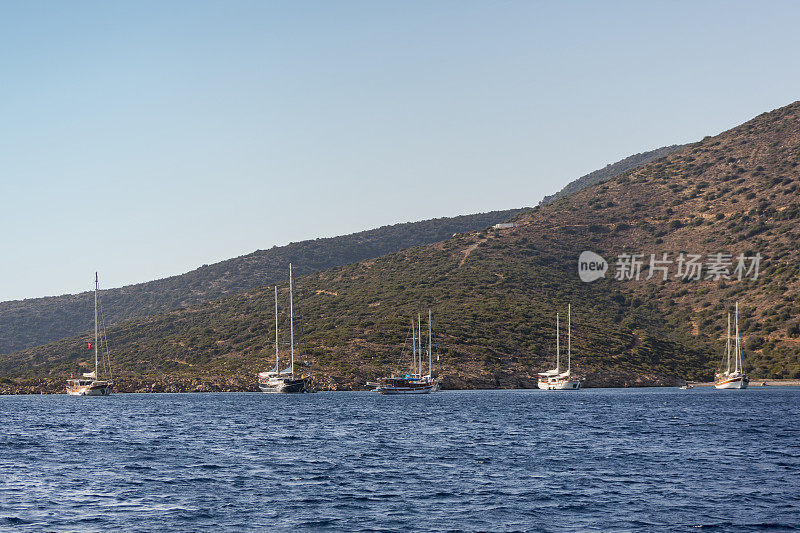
[37, 321]
[611, 170]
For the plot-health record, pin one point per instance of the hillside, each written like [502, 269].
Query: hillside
[494, 293]
[33, 322]
[611, 170]
[36, 321]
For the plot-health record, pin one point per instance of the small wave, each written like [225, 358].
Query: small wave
[319, 523]
[137, 467]
[16, 521]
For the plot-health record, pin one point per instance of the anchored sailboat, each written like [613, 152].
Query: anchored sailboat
[89, 385]
[732, 378]
[416, 382]
[277, 380]
[556, 379]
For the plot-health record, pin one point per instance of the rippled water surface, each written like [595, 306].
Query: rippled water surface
[485, 460]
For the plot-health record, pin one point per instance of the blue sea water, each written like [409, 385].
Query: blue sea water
[602, 459]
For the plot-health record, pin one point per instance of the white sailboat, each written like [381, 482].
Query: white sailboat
[732, 378]
[89, 384]
[416, 382]
[556, 379]
[277, 380]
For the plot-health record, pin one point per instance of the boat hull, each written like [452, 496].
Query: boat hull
[103, 389]
[288, 386]
[427, 389]
[740, 382]
[560, 385]
[407, 385]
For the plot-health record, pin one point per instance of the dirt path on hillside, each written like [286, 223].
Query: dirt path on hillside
[469, 250]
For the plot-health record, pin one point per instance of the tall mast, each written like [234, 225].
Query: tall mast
[741, 350]
[413, 348]
[96, 285]
[291, 318]
[277, 368]
[569, 337]
[738, 342]
[558, 348]
[728, 346]
[430, 364]
[419, 340]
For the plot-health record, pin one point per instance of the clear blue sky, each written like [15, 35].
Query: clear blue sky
[144, 139]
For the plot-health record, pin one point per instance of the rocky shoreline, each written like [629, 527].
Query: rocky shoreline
[757, 383]
[455, 382]
[126, 385]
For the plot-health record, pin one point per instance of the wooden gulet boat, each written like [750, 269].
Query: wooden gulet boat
[283, 381]
[556, 379]
[733, 378]
[89, 384]
[414, 383]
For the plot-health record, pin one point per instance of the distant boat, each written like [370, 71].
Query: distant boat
[89, 384]
[283, 381]
[416, 382]
[732, 377]
[556, 379]
[687, 386]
